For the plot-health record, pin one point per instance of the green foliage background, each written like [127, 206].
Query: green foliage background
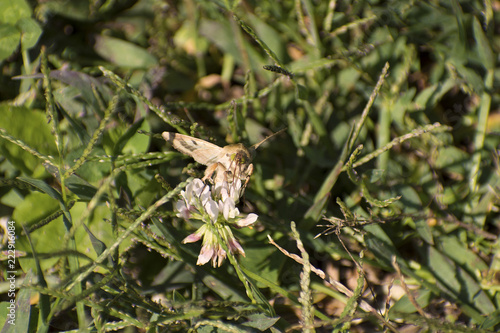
[390, 156]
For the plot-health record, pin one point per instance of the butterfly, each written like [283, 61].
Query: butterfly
[231, 162]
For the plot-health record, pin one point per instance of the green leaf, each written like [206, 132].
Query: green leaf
[12, 11]
[31, 32]
[473, 79]
[432, 95]
[76, 126]
[402, 106]
[259, 41]
[16, 25]
[424, 231]
[35, 206]
[472, 293]
[266, 258]
[224, 290]
[491, 321]
[90, 171]
[84, 86]
[4, 311]
[347, 78]
[325, 189]
[187, 37]
[314, 213]
[132, 142]
[314, 119]
[404, 305]
[382, 246]
[260, 321]
[269, 35]
[422, 99]
[9, 40]
[459, 51]
[12, 198]
[49, 238]
[99, 247]
[374, 201]
[374, 175]
[123, 53]
[483, 46]
[301, 92]
[453, 160]
[73, 10]
[43, 187]
[83, 189]
[224, 37]
[99, 227]
[444, 269]
[20, 321]
[31, 127]
[410, 198]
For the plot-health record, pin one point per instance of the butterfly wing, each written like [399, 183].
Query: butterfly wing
[202, 151]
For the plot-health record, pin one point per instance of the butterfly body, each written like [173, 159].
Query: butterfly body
[228, 163]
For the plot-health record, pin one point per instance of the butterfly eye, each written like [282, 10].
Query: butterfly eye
[239, 158]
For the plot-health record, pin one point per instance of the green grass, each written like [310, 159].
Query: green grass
[378, 205]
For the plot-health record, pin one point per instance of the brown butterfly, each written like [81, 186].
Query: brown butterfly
[229, 163]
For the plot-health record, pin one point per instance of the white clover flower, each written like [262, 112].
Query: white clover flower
[228, 207]
[184, 209]
[217, 209]
[224, 190]
[234, 245]
[193, 191]
[235, 190]
[212, 210]
[248, 220]
[196, 236]
[232, 214]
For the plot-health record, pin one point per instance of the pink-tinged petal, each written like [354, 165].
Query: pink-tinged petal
[219, 257]
[197, 235]
[183, 209]
[206, 253]
[194, 237]
[235, 247]
[179, 205]
[248, 220]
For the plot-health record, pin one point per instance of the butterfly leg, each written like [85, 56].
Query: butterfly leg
[209, 171]
[219, 170]
[249, 172]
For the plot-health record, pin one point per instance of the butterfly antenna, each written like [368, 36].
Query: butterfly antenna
[257, 145]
